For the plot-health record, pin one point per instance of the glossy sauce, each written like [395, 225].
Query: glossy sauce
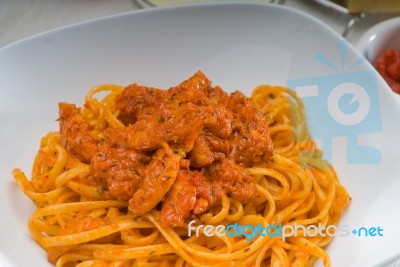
[181, 151]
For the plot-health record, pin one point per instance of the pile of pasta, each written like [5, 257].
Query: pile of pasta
[296, 187]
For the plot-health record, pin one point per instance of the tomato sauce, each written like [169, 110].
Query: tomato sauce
[186, 148]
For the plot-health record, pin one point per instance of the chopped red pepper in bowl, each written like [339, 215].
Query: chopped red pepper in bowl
[388, 65]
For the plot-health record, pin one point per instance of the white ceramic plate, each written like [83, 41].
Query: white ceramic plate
[238, 46]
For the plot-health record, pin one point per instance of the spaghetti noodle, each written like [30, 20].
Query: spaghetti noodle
[102, 204]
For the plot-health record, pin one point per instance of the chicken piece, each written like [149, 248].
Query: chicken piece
[250, 142]
[220, 147]
[222, 127]
[137, 102]
[208, 193]
[180, 201]
[158, 178]
[180, 95]
[192, 191]
[178, 126]
[197, 90]
[201, 155]
[240, 132]
[75, 133]
[233, 179]
[122, 170]
[217, 95]
[197, 81]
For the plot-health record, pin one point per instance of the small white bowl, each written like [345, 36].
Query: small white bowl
[383, 36]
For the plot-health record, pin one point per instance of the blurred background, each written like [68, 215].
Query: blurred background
[23, 18]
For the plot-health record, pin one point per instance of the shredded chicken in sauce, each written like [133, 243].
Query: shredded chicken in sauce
[181, 151]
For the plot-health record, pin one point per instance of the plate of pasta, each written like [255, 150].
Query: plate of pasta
[196, 135]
